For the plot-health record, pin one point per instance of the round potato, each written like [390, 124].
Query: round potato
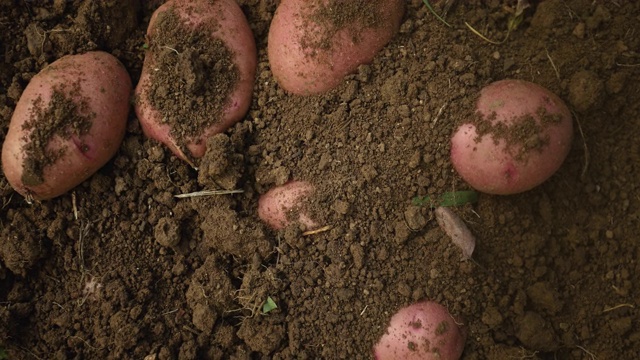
[282, 205]
[198, 74]
[519, 136]
[314, 44]
[69, 121]
[421, 331]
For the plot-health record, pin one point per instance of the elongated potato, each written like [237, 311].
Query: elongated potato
[69, 121]
[198, 74]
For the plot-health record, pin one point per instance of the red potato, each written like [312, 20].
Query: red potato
[69, 121]
[281, 205]
[525, 135]
[421, 331]
[313, 45]
[224, 21]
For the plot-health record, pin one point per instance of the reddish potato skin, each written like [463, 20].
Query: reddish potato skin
[299, 72]
[421, 331]
[106, 85]
[275, 203]
[486, 166]
[234, 31]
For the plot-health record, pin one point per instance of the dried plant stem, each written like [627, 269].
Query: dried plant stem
[207, 193]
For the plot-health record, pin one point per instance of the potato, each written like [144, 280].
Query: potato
[520, 135]
[282, 205]
[69, 121]
[198, 74]
[421, 331]
[312, 45]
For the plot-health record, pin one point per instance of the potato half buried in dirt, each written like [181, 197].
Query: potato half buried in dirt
[283, 205]
[69, 121]
[198, 74]
[314, 44]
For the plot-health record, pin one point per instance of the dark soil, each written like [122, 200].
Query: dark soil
[121, 269]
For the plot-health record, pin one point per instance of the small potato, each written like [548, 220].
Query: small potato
[282, 205]
[69, 121]
[520, 135]
[198, 74]
[421, 331]
[314, 44]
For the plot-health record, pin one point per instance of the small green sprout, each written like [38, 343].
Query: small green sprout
[428, 5]
[514, 21]
[268, 305]
[3, 354]
[455, 198]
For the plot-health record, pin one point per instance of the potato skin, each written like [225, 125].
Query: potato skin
[492, 168]
[421, 331]
[304, 70]
[235, 32]
[106, 87]
[274, 205]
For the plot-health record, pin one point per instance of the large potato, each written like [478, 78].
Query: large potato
[421, 331]
[198, 75]
[69, 121]
[519, 136]
[314, 44]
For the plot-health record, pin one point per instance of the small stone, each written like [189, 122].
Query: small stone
[579, 30]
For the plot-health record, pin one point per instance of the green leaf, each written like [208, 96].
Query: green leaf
[3, 354]
[455, 198]
[458, 198]
[514, 22]
[269, 305]
[428, 5]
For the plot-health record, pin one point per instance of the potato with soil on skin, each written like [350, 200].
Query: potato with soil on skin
[313, 45]
[281, 206]
[518, 137]
[69, 121]
[421, 331]
[198, 74]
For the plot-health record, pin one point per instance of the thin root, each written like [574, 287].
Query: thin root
[435, 120]
[172, 49]
[85, 342]
[473, 30]
[584, 144]
[553, 65]
[593, 357]
[74, 205]
[208, 193]
[607, 309]
[317, 231]
[524, 355]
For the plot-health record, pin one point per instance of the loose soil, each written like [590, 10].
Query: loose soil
[121, 269]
